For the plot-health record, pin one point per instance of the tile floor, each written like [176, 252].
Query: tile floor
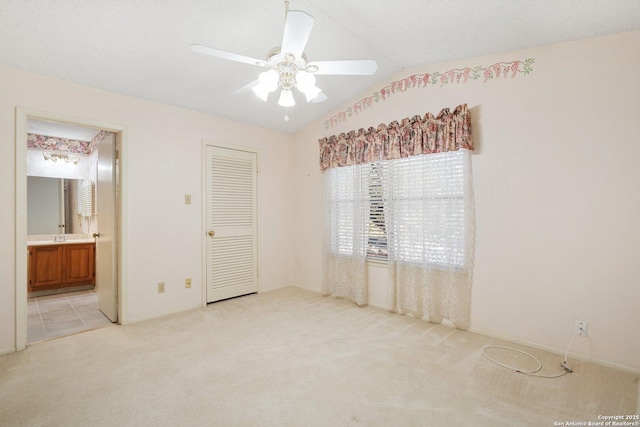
[63, 314]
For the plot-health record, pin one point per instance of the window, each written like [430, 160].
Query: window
[341, 182]
[376, 226]
[413, 209]
[356, 211]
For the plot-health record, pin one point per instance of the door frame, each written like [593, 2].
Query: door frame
[22, 115]
[203, 203]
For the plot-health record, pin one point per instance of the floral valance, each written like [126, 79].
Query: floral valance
[419, 135]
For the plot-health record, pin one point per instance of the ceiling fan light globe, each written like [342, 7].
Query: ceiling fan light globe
[304, 80]
[270, 80]
[311, 92]
[261, 91]
[286, 98]
[320, 98]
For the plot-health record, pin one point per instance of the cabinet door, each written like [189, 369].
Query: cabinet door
[45, 267]
[79, 262]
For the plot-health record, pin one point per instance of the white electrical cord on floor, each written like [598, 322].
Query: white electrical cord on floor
[532, 372]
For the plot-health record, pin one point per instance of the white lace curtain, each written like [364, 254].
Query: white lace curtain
[424, 169]
[345, 241]
[429, 218]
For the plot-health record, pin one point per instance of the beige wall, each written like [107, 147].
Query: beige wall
[556, 178]
[164, 163]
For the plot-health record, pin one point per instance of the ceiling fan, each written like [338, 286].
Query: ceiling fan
[287, 64]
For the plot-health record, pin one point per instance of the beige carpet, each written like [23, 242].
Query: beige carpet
[293, 358]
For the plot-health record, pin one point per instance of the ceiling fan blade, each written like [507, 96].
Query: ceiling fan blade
[226, 55]
[296, 32]
[355, 67]
[246, 88]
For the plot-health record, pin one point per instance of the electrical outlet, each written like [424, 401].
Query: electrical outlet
[187, 199]
[160, 287]
[187, 283]
[581, 328]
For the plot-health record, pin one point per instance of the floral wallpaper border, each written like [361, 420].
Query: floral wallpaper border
[457, 75]
[98, 138]
[52, 143]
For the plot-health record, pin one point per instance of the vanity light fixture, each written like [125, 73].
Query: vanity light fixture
[55, 157]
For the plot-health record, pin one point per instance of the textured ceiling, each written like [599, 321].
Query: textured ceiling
[141, 48]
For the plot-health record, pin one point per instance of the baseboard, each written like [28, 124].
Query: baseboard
[7, 350]
[555, 350]
[379, 307]
[537, 346]
[277, 288]
[144, 319]
[60, 291]
[159, 316]
[531, 344]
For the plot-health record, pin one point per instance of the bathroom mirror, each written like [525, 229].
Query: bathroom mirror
[51, 205]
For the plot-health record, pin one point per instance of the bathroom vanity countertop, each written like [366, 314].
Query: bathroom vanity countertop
[51, 242]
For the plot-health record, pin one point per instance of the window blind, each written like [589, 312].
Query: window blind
[376, 224]
[424, 208]
[414, 208]
[341, 209]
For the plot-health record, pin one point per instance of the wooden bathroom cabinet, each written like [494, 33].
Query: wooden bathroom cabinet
[59, 266]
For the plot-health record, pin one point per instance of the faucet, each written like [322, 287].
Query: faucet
[59, 238]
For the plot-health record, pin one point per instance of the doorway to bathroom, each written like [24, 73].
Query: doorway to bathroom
[78, 285]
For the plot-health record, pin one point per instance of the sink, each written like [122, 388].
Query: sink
[51, 242]
[69, 239]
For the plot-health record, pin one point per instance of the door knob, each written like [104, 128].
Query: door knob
[211, 233]
[96, 234]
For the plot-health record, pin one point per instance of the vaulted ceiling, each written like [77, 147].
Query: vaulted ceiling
[141, 48]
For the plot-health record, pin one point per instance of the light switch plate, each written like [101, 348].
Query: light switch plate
[187, 199]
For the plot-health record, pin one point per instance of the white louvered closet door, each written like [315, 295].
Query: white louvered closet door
[231, 223]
